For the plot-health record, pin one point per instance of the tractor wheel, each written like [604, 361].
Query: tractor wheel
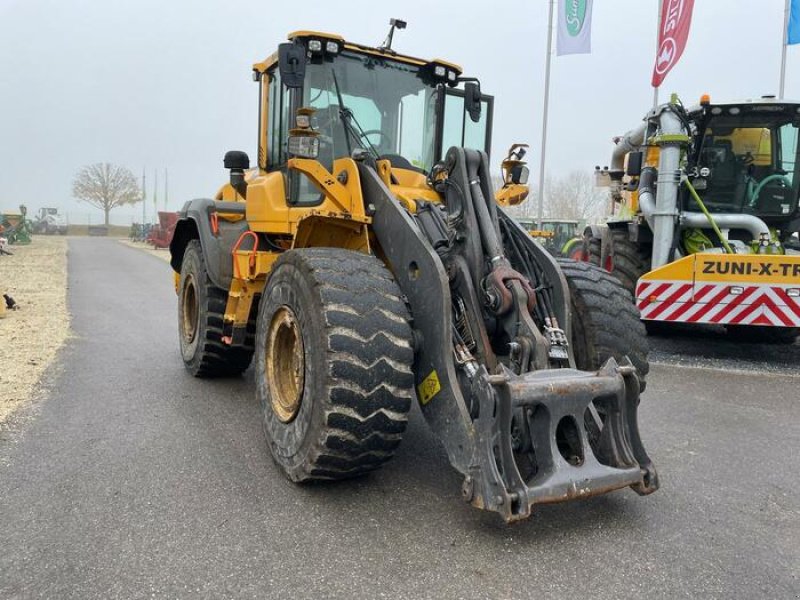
[333, 364]
[605, 321]
[627, 262]
[574, 249]
[201, 308]
[760, 334]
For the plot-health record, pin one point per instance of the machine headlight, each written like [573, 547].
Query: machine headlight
[304, 146]
[331, 47]
[793, 292]
[315, 45]
[439, 71]
[451, 76]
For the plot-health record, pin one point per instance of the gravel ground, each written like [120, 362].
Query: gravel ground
[36, 277]
[710, 347]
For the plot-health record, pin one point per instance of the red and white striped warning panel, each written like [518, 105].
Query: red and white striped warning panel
[729, 303]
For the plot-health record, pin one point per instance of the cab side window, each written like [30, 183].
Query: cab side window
[458, 129]
[278, 126]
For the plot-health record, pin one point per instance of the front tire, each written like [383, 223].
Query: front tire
[626, 261]
[333, 364]
[605, 321]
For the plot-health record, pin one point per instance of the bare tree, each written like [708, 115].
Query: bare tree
[574, 196]
[106, 186]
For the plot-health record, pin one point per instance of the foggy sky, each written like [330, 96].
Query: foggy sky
[155, 84]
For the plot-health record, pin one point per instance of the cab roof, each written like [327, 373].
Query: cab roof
[764, 100]
[360, 48]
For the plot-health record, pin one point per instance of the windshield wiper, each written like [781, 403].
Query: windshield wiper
[351, 125]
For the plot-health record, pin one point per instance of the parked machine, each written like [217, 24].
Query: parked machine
[561, 237]
[160, 235]
[365, 263]
[705, 201]
[49, 221]
[15, 227]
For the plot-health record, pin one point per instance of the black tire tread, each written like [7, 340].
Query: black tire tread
[218, 359]
[630, 262]
[605, 317]
[370, 383]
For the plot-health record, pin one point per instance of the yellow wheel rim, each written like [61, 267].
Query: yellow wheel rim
[285, 364]
[191, 309]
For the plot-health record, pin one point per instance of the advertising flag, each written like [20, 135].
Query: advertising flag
[574, 27]
[676, 17]
[793, 32]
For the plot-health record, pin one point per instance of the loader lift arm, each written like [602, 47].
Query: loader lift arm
[519, 438]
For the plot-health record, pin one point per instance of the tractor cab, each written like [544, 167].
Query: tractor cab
[746, 159]
[325, 99]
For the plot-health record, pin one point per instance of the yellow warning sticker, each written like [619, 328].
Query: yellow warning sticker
[429, 387]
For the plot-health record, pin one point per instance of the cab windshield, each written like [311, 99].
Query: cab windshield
[752, 161]
[393, 110]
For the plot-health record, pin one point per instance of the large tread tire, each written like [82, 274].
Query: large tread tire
[761, 334]
[204, 353]
[357, 384]
[627, 262]
[605, 320]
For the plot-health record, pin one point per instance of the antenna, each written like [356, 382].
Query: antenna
[387, 43]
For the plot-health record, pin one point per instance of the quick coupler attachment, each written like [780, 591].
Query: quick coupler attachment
[556, 435]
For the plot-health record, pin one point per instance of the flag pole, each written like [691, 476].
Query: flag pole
[658, 36]
[544, 113]
[783, 50]
[144, 197]
[155, 196]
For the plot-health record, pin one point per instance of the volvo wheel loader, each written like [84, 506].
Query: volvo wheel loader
[365, 263]
[704, 203]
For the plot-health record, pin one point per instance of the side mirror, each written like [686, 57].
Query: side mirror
[634, 168]
[519, 175]
[292, 64]
[472, 101]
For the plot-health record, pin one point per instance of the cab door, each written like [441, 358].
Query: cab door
[455, 127]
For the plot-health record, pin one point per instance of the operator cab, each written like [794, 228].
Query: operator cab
[747, 159]
[366, 103]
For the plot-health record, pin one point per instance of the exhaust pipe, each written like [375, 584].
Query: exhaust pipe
[755, 226]
[669, 178]
[630, 142]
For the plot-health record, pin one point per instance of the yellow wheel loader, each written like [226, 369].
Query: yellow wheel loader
[365, 264]
[704, 205]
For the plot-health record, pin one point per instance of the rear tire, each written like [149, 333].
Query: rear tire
[605, 321]
[760, 334]
[201, 308]
[333, 364]
[626, 261]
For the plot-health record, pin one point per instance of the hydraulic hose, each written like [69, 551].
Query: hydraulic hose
[491, 243]
[711, 220]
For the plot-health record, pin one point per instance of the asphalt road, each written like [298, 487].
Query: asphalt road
[130, 479]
